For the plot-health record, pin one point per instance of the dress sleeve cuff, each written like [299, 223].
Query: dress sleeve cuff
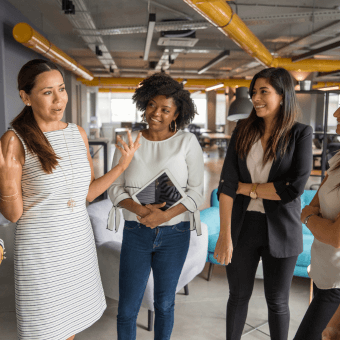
[281, 188]
[224, 189]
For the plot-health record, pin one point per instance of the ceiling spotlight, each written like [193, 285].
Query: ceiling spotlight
[99, 52]
[68, 7]
[112, 69]
[214, 87]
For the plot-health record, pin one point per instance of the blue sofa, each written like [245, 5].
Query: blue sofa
[211, 217]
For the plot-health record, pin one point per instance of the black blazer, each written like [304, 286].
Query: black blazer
[289, 175]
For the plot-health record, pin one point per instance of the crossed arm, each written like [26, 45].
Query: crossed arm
[323, 229]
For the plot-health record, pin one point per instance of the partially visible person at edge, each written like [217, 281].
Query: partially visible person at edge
[267, 165]
[321, 217]
[153, 238]
[2, 251]
[46, 176]
[332, 331]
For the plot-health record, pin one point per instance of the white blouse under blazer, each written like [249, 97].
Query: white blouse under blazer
[259, 173]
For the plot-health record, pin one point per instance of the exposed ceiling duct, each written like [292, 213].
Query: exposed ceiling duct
[29, 37]
[82, 20]
[220, 14]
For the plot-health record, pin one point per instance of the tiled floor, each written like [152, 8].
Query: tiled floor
[199, 316]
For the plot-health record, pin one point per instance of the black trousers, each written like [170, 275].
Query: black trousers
[277, 272]
[324, 304]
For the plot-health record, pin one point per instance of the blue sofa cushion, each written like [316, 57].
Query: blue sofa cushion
[213, 199]
[211, 218]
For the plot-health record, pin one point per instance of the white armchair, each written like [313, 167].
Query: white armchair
[109, 246]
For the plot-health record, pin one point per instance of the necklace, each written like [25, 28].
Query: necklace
[70, 203]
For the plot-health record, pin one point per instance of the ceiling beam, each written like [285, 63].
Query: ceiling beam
[303, 41]
[316, 51]
[215, 61]
[83, 20]
[325, 74]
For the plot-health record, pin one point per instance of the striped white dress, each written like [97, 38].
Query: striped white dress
[57, 282]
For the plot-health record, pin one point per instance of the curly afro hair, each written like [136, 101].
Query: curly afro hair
[163, 85]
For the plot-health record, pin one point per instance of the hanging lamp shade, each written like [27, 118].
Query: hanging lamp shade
[241, 107]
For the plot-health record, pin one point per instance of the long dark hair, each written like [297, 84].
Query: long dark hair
[253, 128]
[26, 125]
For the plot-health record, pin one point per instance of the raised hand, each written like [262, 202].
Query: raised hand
[128, 151]
[1, 254]
[9, 165]
[224, 249]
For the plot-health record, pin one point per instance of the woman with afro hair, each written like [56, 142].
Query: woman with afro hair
[154, 238]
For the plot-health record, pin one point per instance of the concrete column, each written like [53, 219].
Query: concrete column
[211, 110]
[230, 97]
[71, 88]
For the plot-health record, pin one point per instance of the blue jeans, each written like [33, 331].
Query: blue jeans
[163, 249]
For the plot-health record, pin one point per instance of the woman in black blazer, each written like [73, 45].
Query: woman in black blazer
[268, 163]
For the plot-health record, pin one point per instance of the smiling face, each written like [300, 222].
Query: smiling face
[265, 99]
[48, 97]
[337, 116]
[160, 112]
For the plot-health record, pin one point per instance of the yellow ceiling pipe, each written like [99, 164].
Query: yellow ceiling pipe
[191, 83]
[26, 35]
[307, 65]
[322, 84]
[221, 15]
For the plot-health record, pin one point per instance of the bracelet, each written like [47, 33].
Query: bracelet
[1, 199]
[307, 218]
[10, 195]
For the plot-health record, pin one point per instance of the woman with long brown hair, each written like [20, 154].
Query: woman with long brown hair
[267, 165]
[321, 217]
[46, 176]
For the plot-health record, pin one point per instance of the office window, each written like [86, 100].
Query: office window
[123, 110]
[201, 105]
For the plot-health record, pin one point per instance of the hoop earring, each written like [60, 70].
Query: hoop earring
[171, 128]
[143, 118]
[281, 102]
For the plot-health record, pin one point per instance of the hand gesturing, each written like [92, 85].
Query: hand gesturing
[9, 165]
[128, 151]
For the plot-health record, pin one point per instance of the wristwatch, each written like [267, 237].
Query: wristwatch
[307, 218]
[253, 193]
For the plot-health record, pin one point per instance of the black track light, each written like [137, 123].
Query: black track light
[112, 69]
[98, 51]
[68, 7]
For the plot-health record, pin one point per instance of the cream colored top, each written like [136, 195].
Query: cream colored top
[258, 172]
[325, 259]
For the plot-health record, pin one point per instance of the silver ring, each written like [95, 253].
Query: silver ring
[14, 159]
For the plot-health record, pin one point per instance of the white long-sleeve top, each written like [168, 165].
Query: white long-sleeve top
[325, 259]
[182, 155]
